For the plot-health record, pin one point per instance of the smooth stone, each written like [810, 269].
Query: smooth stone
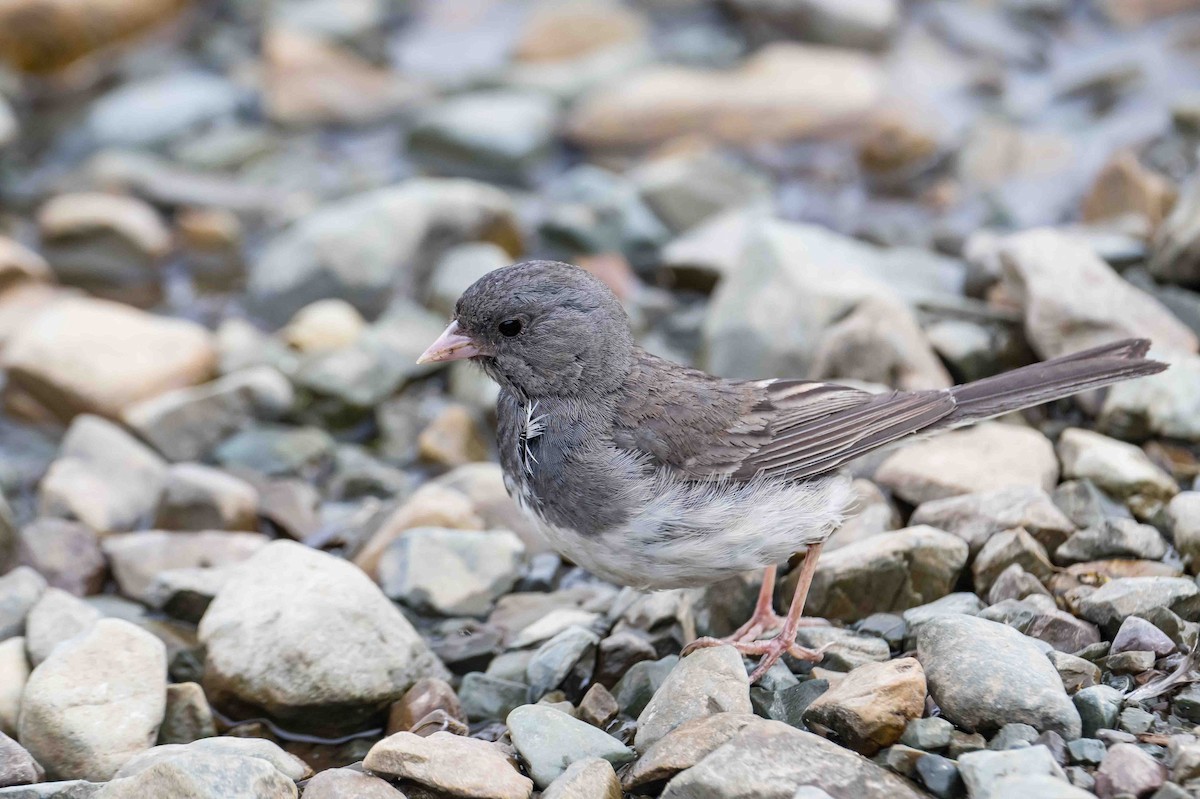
[17, 766]
[1076, 673]
[638, 685]
[260, 629]
[96, 701]
[940, 776]
[64, 789]
[844, 649]
[1098, 706]
[590, 778]
[148, 112]
[1013, 736]
[57, 617]
[550, 740]
[983, 771]
[1112, 603]
[1127, 769]
[1087, 751]
[464, 767]
[20, 590]
[1138, 635]
[204, 775]
[573, 651]
[344, 783]
[975, 517]
[929, 734]
[1036, 786]
[276, 450]
[427, 695]
[598, 706]
[486, 697]
[708, 681]
[1113, 538]
[287, 764]
[984, 675]
[198, 497]
[1005, 549]
[66, 553]
[684, 747]
[188, 716]
[1121, 469]
[139, 558]
[870, 707]
[451, 572]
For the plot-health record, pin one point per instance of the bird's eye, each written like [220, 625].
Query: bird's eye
[510, 327]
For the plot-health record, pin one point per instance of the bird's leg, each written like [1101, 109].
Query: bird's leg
[764, 618]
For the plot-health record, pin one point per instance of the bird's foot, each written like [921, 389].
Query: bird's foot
[750, 632]
[769, 651]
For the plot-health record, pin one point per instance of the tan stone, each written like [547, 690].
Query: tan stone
[323, 326]
[453, 438]
[463, 767]
[869, 709]
[131, 219]
[18, 264]
[430, 505]
[566, 31]
[1125, 187]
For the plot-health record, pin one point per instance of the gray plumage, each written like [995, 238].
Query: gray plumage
[654, 475]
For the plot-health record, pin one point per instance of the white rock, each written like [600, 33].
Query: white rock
[323, 326]
[1119, 468]
[57, 617]
[452, 572]
[137, 558]
[198, 497]
[14, 672]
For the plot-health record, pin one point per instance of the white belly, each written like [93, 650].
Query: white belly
[685, 533]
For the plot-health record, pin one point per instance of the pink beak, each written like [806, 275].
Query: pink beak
[450, 346]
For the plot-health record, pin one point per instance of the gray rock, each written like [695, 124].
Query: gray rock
[550, 740]
[1121, 469]
[66, 553]
[17, 767]
[889, 572]
[687, 189]
[684, 747]
[983, 771]
[57, 617]
[362, 248]
[138, 559]
[20, 590]
[156, 110]
[573, 651]
[486, 697]
[188, 716]
[14, 673]
[1041, 786]
[928, 734]
[342, 783]
[198, 497]
[844, 649]
[204, 775]
[451, 572]
[276, 451]
[1098, 706]
[1138, 635]
[984, 675]
[1063, 631]
[95, 702]
[639, 684]
[957, 603]
[591, 778]
[490, 135]
[708, 681]
[103, 477]
[1076, 673]
[187, 423]
[1013, 736]
[1015, 583]
[447, 763]
[1164, 404]
[1116, 600]
[1086, 751]
[1183, 516]
[66, 789]
[977, 516]
[771, 760]
[286, 764]
[1114, 538]
[1011, 547]
[1175, 257]
[458, 269]
[940, 776]
[1086, 505]
[260, 634]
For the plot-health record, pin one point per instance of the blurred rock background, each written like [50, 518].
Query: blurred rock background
[244, 538]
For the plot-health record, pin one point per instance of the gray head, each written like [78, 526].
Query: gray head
[542, 328]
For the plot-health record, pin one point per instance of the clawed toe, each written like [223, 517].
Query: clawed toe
[769, 651]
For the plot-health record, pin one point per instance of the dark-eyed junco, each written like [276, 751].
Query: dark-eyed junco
[654, 475]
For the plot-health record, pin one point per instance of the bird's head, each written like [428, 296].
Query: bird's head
[542, 328]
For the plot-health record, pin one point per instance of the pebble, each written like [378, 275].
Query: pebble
[1002, 550]
[1113, 538]
[869, 709]
[1036, 785]
[708, 681]
[96, 701]
[982, 771]
[17, 767]
[198, 497]
[140, 559]
[57, 617]
[1127, 769]
[1098, 706]
[265, 619]
[1112, 603]
[464, 767]
[1013, 736]
[204, 775]
[1015, 583]
[451, 572]
[598, 706]
[66, 553]
[929, 734]
[486, 697]
[1076, 673]
[14, 673]
[426, 696]
[984, 675]
[158, 109]
[550, 740]
[20, 590]
[340, 783]
[1119, 468]
[590, 778]
[940, 776]
[188, 716]
[684, 747]
[977, 516]
[844, 649]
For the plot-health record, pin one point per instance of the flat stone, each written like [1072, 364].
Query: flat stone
[986, 457]
[571, 652]
[57, 617]
[684, 747]
[95, 702]
[984, 675]
[1110, 604]
[1121, 469]
[706, 682]
[341, 783]
[983, 771]
[287, 764]
[869, 708]
[590, 778]
[1113, 538]
[451, 572]
[138, 558]
[153, 110]
[977, 516]
[198, 497]
[20, 590]
[464, 767]
[65, 789]
[550, 740]
[204, 775]
[1127, 769]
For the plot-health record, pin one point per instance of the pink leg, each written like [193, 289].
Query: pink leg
[764, 618]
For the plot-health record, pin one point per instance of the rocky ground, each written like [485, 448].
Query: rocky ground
[251, 550]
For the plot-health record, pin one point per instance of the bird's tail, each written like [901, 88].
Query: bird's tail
[1050, 380]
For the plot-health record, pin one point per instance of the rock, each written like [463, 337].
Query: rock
[93, 356]
[707, 682]
[958, 603]
[1121, 469]
[231, 747]
[276, 450]
[686, 189]
[1015, 583]
[461, 266]
[684, 747]
[869, 708]
[186, 424]
[14, 673]
[1086, 505]
[977, 516]
[1113, 602]
[771, 760]
[105, 243]
[1174, 257]
[1126, 770]
[324, 326]
[1072, 300]
[1063, 631]
[867, 25]
[452, 438]
[363, 248]
[18, 263]
[1114, 538]
[308, 81]
[428, 695]
[500, 135]
[844, 649]
[188, 716]
[1076, 673]
[983, 771]
[66, 789]
[1006, 549]
[204, 775]
[598, 706]
[751, 103]
[889, 572]
[590, 778]
[336, 783]
[464, 767]
[1126, 188]
[103, 477]
[549, 741]
[198, 497]
[1183, 517]
[17, 767]
[156, 110]
[1163, 404]
[1098, 706]
[927, 734]
[66, 553]
[451, 572]
[138, 558]
[984, 675]
[20, 590]
[57, 617]
[569, 655]
[986, 457]
[96, 701]
[260, 633]
[489, 698]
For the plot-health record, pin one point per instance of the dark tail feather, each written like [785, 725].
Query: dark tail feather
[1050, 380]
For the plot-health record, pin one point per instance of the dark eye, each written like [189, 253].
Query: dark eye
[510, 327]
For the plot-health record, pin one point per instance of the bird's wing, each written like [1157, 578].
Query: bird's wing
[706, 428]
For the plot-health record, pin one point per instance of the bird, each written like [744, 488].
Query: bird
[655, 475]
